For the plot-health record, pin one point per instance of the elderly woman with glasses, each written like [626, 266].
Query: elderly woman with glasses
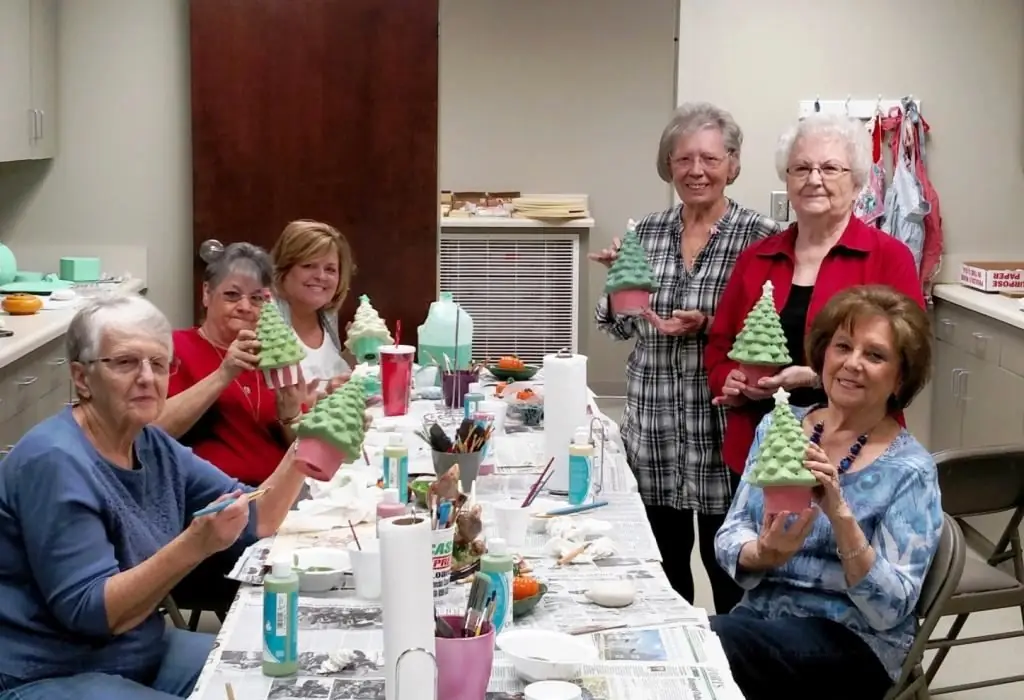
[672, 432]
[220, 404]
[97, 524]
[824, 161]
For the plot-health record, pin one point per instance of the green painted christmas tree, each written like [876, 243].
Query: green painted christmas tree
[337, 419]
[780, 461]
[762, 341]
[278, 345]
[630, 269]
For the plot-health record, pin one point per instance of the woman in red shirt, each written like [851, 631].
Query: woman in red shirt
[218, 402]
[824, 161]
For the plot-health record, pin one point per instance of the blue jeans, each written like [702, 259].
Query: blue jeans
[799, 658]
[179, 670]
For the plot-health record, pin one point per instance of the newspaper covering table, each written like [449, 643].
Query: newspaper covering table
[658, 647]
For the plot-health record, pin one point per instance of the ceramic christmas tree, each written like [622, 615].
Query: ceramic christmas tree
[779, 471]
[367, 332]
[760, 347]
[280, 351]
[332, 433]
[630, 279]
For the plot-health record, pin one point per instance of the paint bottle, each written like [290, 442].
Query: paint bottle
[581, 459]
[470, 403]
[497, 566]
[281, 620]
[396, 467]
[389, 507]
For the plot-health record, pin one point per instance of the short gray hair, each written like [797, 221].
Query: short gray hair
[127, 313]
[694, 116]
[851, 132]
[238, 258]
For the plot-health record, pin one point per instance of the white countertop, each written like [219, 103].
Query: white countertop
[33, 332]
[995, 306]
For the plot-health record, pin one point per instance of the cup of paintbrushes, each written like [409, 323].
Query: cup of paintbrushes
[464, 663]
[469, 466]
[455, 386]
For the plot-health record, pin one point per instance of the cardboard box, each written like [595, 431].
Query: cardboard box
[997, 277]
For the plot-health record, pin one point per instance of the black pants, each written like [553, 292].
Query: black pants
[799, 658]
[674, 532]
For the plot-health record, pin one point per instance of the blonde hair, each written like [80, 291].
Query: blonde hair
[305, 240]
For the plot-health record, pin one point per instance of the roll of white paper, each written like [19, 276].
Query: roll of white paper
[565, 410]
[407, 602]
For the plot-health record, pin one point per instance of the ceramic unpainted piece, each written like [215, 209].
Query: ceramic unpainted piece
[611, 594]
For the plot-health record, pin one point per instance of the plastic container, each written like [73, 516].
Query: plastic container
[396, 378]
[581, 460]
[497, 566]
[396, 467]
[281, 621]
[390, 506]
[437, 335]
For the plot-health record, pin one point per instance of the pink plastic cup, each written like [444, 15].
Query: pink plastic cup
[317, 459]
[280, 377]
[629, 302]
[396, 378]
[464, 664]
[791, 499]
[755, 373]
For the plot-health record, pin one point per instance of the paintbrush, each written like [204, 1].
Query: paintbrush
[230, 691]
[475, 606]
[227, 502]
[535, 489]
[442, 628]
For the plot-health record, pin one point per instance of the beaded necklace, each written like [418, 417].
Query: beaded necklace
[846, 462]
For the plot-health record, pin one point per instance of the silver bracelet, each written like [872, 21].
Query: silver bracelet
[855, 553]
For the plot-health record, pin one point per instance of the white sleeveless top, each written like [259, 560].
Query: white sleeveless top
[323, 363]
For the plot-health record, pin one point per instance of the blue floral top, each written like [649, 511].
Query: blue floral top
[896, 500]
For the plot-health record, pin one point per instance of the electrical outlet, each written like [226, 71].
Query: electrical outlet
[780, 206]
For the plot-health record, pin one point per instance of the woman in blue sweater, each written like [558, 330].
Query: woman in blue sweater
[831, 591]
[96, 526]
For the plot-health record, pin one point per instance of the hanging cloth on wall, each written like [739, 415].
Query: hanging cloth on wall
[905, 205]
[931, 255]
[870, 204]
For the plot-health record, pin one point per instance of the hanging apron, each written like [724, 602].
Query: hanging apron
[905, 205]
[869, 206]
[931, 257]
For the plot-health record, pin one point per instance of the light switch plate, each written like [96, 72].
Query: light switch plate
[780, 206]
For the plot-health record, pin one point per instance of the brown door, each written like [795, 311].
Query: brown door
[322, 109]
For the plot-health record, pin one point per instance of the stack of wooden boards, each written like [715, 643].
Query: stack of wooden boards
[550, 206]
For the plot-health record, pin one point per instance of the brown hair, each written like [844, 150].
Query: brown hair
[304, 240]
[911, 332]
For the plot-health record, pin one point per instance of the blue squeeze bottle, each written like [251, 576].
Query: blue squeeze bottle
[581, 459]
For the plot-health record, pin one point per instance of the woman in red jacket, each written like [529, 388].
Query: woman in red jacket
[824, 161]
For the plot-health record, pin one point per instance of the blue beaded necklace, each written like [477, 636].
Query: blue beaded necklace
[846, 462]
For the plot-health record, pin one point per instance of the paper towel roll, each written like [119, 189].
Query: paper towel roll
[565, 410]
[407, 602]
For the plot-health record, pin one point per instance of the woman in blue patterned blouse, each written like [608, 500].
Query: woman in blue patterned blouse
[831, 591]
[671, 431]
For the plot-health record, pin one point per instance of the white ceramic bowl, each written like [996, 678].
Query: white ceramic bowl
[545, 655]
[321, 568]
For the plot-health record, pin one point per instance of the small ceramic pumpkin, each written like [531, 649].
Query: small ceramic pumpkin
[21, 304]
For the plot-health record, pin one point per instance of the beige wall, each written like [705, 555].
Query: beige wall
[551, 96]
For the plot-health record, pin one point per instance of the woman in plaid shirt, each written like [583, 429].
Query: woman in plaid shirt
[671, 430]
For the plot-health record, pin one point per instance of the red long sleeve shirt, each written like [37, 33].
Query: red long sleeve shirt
[863, 255]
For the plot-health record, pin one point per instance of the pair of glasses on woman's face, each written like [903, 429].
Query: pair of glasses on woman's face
[132, 364]
[233, 296]
[828, 171]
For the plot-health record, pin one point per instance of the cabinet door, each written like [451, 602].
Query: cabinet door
[993, 405]
[16, 118]
[43, 40]
[947, 408]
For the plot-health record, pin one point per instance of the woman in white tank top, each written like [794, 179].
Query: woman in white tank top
[312, 273]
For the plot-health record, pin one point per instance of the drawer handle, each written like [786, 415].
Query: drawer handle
[963, 386]
[27, 381]
[955, 386]
[947, 328]
[58, 361]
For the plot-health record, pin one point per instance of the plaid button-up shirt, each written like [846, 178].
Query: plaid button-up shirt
[671, 431]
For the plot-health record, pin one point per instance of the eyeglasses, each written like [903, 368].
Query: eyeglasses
[130, 364]
[233, 297]
[708, 160]
[828, 171]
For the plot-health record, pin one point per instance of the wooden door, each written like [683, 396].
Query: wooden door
[327, 110]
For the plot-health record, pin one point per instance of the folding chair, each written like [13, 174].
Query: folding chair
[172, 611]
[982, 481]
[939, 584]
